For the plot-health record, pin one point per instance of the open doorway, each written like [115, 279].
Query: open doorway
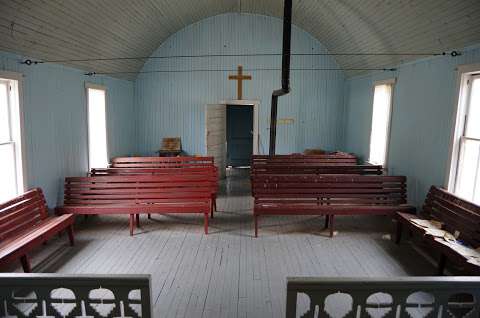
[239, 135]
[216, 133]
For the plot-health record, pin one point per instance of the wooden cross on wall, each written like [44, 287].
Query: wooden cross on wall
[240, 78]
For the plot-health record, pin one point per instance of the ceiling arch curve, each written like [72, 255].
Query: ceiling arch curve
[71, 29]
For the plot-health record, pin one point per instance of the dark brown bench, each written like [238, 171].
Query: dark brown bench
[456, 214]
[329, 195]
[161, 162]
[208, 172]
[314, 168]
[337, 158]
[137, 194]
[25, 225]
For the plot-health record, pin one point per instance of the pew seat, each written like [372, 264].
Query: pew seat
[138, 194]
[328, 195]
[25, 225]
[456, 216]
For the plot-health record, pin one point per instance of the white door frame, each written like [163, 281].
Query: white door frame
[256, 105]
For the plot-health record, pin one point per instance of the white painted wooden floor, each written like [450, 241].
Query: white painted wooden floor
[229, 273]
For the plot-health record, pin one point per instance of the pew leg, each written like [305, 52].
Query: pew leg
[441, 265]
[213, 207]
[206, 222]
[131, 224]
[137, 220]
[27, 268]
[255, 217]
[327, 220]
[70, 235]
[330, 218]
[149, 216]
[398, 234]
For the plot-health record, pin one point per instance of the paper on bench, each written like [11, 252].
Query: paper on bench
[432, 224]
[435, 232]
[463, 250]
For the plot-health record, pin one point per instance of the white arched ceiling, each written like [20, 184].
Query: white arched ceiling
[72, 29]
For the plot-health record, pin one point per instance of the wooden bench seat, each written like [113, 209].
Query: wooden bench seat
[328, 195]
[161, 162]
[137, 194]
[338, 158]
[208, 172]
[314, 168]
[456, 215]
[25, 224]
[164, 165]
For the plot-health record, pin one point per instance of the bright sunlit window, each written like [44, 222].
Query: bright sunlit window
[467, 179]
[11, 164]
[382, 109]
[97, 126]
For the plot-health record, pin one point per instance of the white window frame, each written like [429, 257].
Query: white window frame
[99, 87]
[20, 153]
[392, 82]
[464, 74]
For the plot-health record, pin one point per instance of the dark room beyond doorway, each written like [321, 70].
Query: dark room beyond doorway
[239, 135]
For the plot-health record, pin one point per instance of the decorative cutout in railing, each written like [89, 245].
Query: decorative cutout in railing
[409, 297]
[82, 296]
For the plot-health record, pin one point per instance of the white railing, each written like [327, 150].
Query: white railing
[410, 297]
[55, 295]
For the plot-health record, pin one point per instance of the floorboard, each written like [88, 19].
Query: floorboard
[229, 273]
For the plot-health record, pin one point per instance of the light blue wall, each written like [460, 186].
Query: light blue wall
[55, 127]
[422, 116]
[173, 104]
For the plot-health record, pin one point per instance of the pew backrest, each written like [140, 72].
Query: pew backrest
[455, 213]
[325, 159]
[59, 295]
[136, 189]
[161, 162]
[207, 171]
[387, 297]
[330, 189]
[315, 168]
[22, 212]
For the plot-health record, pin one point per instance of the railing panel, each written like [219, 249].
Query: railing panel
[55, 295]
[409, 297]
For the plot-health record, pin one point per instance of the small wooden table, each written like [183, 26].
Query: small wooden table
[169, 153]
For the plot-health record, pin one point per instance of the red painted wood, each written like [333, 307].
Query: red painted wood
[137, 194]
[329, 195]
[457, 214]
[161, 162]
[208, 172]
[25, 225]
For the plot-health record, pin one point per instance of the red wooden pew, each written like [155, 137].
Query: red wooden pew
[328, 195]
[136, 194]
[315, 168]
[457, 215]
[336, 158]
[161, 162]
[164, 165]
[25, 225]
[209, 173]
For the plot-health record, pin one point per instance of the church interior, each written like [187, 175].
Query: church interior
[240, 158]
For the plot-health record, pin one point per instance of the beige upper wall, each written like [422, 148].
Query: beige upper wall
[72, 29]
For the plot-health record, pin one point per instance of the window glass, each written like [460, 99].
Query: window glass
[4, 113]
[97, 130]
[380, 123]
